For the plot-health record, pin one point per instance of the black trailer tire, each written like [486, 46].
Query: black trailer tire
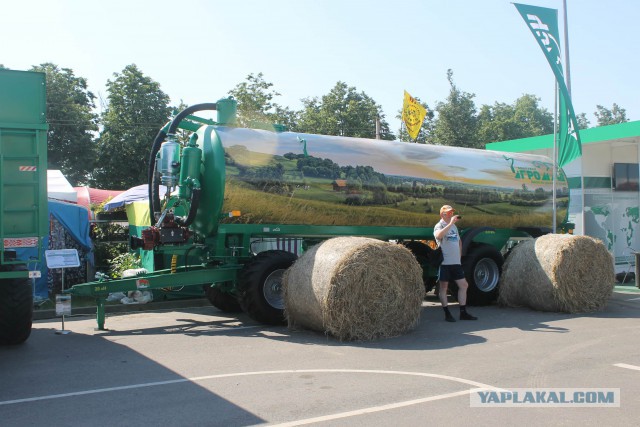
[16, 309]
[260, 284]
[482, 266]
[421, 252]
[221, 300]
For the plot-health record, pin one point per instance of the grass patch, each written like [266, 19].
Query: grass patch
[324, 207]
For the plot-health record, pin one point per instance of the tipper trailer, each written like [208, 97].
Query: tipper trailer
[24, 217]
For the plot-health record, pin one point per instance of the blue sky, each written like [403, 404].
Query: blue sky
[198, 50]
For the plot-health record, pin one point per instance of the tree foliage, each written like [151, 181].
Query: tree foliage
[137, 109]
[583, 122]
[343, 112]
[457, 123]
[287, 117]
[256, 107]
[72, 123]
[522, 119]
[182, 135]
[606, 117]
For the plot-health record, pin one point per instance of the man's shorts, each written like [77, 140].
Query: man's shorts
[447, 273]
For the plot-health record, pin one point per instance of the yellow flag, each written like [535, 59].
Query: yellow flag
[413, 115]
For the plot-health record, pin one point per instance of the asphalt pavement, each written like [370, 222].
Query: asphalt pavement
[192, 366]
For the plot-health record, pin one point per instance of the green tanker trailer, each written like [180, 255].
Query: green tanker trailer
[229, 188]
[23, 197]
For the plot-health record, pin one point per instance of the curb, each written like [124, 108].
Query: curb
[126, 308]
[626, 288]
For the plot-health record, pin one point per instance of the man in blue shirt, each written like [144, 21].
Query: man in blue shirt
[448, 238]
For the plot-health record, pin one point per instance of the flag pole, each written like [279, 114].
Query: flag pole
[568, 81]
[566, 45]
[555, 151]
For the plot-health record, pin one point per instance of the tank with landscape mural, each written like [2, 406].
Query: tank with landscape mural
[289, 178]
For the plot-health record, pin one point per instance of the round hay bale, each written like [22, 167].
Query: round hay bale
[558, 272]
[355, 288]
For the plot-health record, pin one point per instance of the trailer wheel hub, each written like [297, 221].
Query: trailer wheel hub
[272, 289]
[486, 275]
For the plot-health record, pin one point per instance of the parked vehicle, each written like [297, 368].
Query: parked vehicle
[230, 187]
[23, 197]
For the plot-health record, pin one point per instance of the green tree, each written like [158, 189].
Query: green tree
[457, 123]
[504, 122]
[425, 131]
[137, 109]
[72, 123]
[256, 107]
[583, 122]
[287, 117]
[343, 112]
[606, 117]
[182, 135]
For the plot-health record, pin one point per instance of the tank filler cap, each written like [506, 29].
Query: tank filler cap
[227, 109]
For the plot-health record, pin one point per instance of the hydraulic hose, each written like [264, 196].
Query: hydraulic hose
[154, 185]
[193, 208]
[189, 110]
[154, 188]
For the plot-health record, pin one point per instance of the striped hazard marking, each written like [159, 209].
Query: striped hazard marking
[24, 242]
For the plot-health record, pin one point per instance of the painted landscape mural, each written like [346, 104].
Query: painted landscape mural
[288, 178]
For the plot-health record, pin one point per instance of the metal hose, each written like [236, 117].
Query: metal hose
[154, 185]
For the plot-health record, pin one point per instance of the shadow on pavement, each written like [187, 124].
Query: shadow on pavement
[80, 379]
[432, 332]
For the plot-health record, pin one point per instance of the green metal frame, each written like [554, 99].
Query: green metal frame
[183, 276]
[227, 252]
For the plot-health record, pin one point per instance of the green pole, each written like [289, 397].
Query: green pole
[100, 313]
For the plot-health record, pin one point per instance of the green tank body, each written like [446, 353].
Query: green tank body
[291, 178]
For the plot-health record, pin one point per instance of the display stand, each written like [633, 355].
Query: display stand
[62, 258]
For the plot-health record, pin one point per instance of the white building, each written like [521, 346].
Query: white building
[608, 207]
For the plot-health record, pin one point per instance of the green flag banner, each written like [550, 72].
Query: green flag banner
[543, 23]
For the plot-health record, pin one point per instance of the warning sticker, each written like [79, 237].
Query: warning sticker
[23, 242]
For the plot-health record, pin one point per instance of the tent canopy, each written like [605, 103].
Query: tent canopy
[59, 188]
[135, 194]
[75, 221]
[88, 196]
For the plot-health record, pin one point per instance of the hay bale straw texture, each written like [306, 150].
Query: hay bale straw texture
[558, 272]
[355, 288]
